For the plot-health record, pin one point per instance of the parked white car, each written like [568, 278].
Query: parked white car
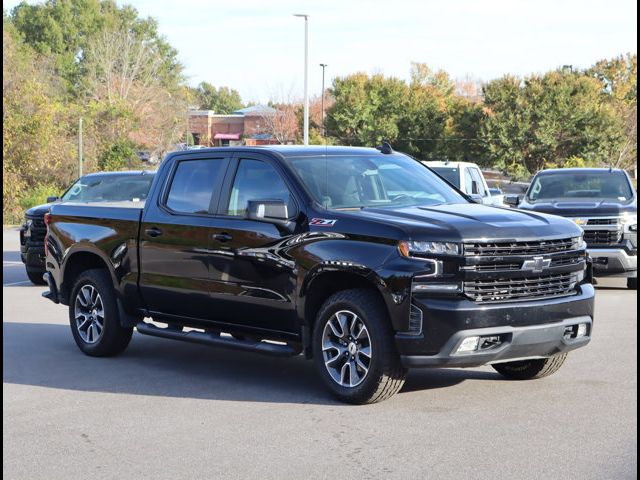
[467, 177]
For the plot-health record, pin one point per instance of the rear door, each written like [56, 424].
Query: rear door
[175, 236]
[253, 280]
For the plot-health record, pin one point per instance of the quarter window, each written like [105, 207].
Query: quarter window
[192, 185]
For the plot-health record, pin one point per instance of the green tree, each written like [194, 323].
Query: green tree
[366, 109]
[221, 100]
[62, 30]
[547, 119]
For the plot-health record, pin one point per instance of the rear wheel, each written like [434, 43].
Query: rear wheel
[35, 276]
[94, 318]
[632, 283]
[353, 348]
[530, 369]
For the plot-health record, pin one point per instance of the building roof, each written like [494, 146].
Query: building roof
[255, 110]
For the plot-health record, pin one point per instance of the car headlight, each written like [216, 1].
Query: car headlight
[630, 221]
[580, 221]
[416, 249]
[577, 243]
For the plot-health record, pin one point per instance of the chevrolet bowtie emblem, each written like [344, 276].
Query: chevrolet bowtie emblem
[537, 264]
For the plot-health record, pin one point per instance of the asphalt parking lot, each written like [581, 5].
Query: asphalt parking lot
[170, 410]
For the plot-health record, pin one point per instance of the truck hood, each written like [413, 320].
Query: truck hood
[470, 222]
[582, 207]
[39, 210]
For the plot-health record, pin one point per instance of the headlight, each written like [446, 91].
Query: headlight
[630, 221]
[577, 243]
[580, 221]
[414, 248]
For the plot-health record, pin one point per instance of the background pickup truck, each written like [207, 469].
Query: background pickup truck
[362, 259]
[604, 203]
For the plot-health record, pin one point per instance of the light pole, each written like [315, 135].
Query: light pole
[306, 76]
[324, 132]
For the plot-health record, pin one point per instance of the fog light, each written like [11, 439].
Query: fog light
[582, 330]
[436, 287]
[469, 344]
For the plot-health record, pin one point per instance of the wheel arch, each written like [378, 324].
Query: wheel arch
[78, 261]
[323, 282]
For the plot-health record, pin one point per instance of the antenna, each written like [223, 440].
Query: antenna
[385, 148]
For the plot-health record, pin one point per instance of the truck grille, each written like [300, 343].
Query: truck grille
[559, 261]
[38, 229]
[518, 248]
[603, 221]
[602, 237]
[519, 289]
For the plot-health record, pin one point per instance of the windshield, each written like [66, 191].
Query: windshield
[451, 175]
[611, 185]
[343, 182]
[109, 188]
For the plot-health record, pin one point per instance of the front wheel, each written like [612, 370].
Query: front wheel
[530, 369]
[93, 315]
[35, 276]
[632, 283]
[353, 348]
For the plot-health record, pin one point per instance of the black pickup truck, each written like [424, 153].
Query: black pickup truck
[362, 259]
[604, 203]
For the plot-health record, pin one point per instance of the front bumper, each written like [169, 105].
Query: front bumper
[532, 329]
[31, 251]
[614, 262]
[32, 255]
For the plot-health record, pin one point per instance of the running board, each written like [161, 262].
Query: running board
[215, 340]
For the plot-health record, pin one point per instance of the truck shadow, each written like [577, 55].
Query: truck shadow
[44, 355]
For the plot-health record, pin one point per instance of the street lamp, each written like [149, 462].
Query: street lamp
[324, 132]
[306, 76]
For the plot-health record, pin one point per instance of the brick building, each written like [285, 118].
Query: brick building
[246, 126]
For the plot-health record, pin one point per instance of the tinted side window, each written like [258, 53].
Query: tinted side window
[257, 180]
[192, 185]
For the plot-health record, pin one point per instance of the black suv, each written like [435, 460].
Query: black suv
[94, 187]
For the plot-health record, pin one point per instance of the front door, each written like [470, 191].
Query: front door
[253, 280]
[175, 237]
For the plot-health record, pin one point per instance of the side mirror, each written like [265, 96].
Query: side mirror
[512, 200]
[52, 199]
[269, 211]
[476, 197]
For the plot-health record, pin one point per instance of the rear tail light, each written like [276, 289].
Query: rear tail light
[47, 221]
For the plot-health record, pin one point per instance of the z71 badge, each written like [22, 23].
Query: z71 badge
[322, 222]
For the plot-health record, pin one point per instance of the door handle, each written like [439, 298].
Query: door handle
[153, 232]
[222, 237]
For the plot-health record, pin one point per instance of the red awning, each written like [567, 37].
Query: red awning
[226, 136]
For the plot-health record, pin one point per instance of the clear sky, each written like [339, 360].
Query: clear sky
[256, 46]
